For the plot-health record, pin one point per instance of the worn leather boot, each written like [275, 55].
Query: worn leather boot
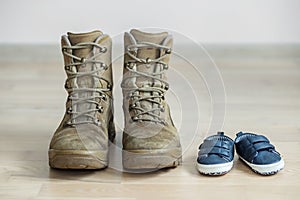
[150, 139]
[81, 140]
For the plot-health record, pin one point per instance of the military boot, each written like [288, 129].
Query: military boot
[150, 139]
[82, 138]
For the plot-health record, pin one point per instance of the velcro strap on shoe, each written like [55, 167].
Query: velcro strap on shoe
[249, 147]
[250, 155]
[215, 143]
[263, 146]
[214, 150]
[259, 138]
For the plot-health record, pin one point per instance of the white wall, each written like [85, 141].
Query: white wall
[211, 21]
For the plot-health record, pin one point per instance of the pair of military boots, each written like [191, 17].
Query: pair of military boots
[150, 139]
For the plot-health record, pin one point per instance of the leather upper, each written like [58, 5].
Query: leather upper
[216, 149]
[86, 136]
[256, 149]
[139, 134]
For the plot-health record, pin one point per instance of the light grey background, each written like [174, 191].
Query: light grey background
[211, 21]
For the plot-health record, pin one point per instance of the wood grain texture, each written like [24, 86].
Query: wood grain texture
[263, 95]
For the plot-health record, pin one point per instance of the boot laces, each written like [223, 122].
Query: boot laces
[156, 93]
[92, 96]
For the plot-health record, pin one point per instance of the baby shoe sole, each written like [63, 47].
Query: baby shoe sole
[268, 169]
[216, 169]
[77, 159]
[151, 159]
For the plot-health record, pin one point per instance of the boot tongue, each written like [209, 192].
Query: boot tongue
[156, 38]
[86, 52]
[76, 38]
[144, 53]
[152, 53]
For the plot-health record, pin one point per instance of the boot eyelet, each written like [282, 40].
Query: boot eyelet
[131, 107]
[135, 118]
[104, 66]
[103, 49]
[83, 60]
[168, 51]
[148, 60]
[130, 65]
[67, 67]
[100, 108]
[103, 97]
[97, 122]
[70, 110]
[131, 94]
[166, 87]
[133, 51]
[162, 108]
[109, 86]
[166, 67]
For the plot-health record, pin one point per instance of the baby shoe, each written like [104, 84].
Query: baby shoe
[257, 152]
[215, 156]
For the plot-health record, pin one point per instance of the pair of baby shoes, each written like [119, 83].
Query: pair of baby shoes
[216, 154]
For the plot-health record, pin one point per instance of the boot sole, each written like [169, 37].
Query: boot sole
[77, 159]
[151, 159]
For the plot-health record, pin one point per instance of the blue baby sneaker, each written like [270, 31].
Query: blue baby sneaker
[215, 156]
[257, 152]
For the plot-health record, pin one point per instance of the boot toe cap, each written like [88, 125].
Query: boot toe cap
[84, 137]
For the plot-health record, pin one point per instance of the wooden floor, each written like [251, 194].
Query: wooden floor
[262, 95]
